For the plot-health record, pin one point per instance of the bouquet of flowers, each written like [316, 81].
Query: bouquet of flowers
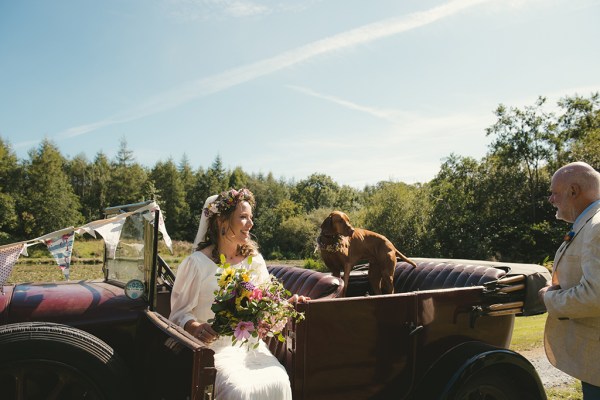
[244, 310]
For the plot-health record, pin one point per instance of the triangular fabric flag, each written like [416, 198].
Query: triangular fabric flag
[111, 233]
[61, 248]
[53, 235]
[8, 257]
[161, 225]
[86, 229]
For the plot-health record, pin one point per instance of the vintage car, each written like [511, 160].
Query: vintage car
[444, 333]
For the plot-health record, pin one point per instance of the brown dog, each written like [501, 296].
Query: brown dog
[342, 246]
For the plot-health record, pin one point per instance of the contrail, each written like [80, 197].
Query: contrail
[236, 76]
[389, 115]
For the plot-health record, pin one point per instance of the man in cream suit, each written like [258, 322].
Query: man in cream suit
[572, 333]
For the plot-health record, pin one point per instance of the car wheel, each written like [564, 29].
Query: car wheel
[41, 360]
[488, 385]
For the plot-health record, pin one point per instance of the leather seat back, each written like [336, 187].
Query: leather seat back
[430, 275]
[306, 282]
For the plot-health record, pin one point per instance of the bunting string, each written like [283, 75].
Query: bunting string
[60, 243]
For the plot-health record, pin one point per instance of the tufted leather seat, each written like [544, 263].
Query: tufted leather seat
[440, 275]
[306, 282]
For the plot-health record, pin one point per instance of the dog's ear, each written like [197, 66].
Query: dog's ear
[327, 225]
[347, 227]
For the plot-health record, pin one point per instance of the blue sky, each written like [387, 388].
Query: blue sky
[362, 91]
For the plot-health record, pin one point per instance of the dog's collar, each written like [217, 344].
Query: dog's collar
[336, 246]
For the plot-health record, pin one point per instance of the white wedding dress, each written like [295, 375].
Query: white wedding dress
[241, 374]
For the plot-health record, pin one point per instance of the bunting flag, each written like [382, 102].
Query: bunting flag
[110, 230]
[61, 248]
[8, 257]
[161, 225]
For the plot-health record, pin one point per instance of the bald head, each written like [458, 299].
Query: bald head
[583, 175]
[574, 187]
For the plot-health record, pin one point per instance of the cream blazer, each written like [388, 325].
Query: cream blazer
[572, 333]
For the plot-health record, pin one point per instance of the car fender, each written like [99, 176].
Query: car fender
[59, 360]
[443, 380]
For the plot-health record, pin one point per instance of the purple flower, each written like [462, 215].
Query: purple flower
[249, 286]
[243, 330]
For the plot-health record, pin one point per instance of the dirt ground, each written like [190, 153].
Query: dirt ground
[551, 377]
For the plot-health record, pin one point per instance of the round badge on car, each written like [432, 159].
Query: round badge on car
[134, 289]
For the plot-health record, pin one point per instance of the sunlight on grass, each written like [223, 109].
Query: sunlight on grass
[528, 333]
[571, 392]
[52, 273]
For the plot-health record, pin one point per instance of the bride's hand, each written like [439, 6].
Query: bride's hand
[205, 333]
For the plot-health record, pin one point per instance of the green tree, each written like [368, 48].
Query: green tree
[100, 172]
[506, 217]
[456, 223]
[317, 191]
[78, 170]
[9, 178]
[401, 213]
[49, 203]
[348, 199]
[273, 206]
[213, 181]
[297, 236]
[168, 184]
[525, 139]
[128, 179]
[579, 136]
[238, 178]
[189, 224]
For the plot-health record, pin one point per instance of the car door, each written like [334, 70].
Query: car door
[355, 348]
[174, 365]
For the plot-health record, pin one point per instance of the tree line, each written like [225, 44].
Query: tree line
[492, 208]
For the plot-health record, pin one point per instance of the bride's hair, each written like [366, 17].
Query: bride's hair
[222, 210]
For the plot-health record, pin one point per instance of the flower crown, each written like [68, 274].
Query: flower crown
[228, 200]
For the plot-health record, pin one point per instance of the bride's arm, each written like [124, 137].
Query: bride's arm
[184, 299]
[185, 293]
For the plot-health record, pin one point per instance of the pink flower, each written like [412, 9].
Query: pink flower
[263, 329]
[257, 294]
[278, 325]
[243, 330]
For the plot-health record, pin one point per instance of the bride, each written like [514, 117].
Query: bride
[224, 228]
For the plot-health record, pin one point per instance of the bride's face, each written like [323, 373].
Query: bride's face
[237, 228]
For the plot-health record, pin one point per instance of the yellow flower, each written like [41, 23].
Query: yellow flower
[245, 276]
[226, 277]
[241, 302]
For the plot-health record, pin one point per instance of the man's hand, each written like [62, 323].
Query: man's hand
[545, 289]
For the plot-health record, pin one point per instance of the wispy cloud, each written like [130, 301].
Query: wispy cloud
[239, 8]
[236, 76]
[193, 10]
